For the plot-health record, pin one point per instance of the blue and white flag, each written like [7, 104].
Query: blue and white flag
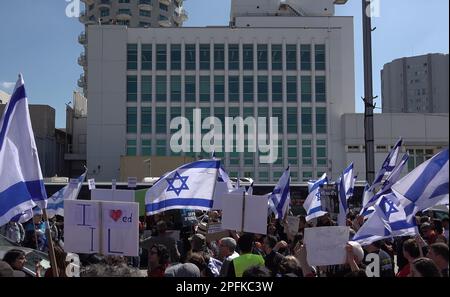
[55, 205]
[21, 183]
[280, 197]
[313, 205]
[388, 220]
[190, 186]
[345, 188]
[351, 190]
[388, 166]
[224, 178]
[425, 186]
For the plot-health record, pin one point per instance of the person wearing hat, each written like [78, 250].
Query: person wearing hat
[7, 271]
[163, 238]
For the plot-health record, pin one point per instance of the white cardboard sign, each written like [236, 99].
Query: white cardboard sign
[91, 183]
[232, 211]
[326, 245]
[132, 182]
[110, 228]
[113, 195]
[292, 224]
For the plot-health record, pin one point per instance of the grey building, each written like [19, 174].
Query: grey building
[130, 13]
[416, 84]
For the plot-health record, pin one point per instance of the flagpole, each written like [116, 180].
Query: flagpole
[51, 249]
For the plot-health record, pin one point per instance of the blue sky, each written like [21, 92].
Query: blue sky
[39, 40]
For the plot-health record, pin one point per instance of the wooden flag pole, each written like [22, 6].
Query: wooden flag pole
[51, 250]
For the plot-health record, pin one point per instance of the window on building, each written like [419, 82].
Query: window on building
[146, 56]
[292, 152]
[248, 88]
[277, 88]
[161, 57]
[291, 57]
[307, 176]
[291, 88]
[131, 119]
[120, 1]
[320, 56]
[262, 57]
[305, 56]
[145, 13]
[204, 57]
[175, 88]
[124, 11]
[248, 56]
[417, 156]
[161, 88]
[219, 112]
[175, 112]
[190, 56]
[189, 88]
[161, 145]
[306, 88]
[161, 124]
[263, 176]
[292, 120]
[146, 120]
[204, 88]
[131, 88]
[175, 56]
[321, 152]
[277, 57]
[219, 88]
[321, 93]
[307, 152]
[146, 88]
[104, 12]
[321, 120]
[263, 89]
[233, 56]
[132, 56]
[233, 88]
[219, 56]
[163, 7]
[277, 112]
[131, 147]
[146, 147]
[306, 120]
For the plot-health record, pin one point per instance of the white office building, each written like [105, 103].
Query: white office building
[291, 60]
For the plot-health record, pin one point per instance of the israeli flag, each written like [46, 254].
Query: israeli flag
[425, 186]
[224, 178]
[190, 186]
[351, 189]
[55, 205]
[280, 197]
[388, 220]
[388, 166]
[345, 188]
[21, 182]
[313, 205]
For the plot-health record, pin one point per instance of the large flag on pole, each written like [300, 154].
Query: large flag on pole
[190, 186]
[313, 205]
[280, 197]
[21, 181]
[388, 166]
[388, 220]
[55, 205]
[345, 185]
[425, 186]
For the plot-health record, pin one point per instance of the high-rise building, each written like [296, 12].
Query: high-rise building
[416, 84]
[130, 13]
[282, 63]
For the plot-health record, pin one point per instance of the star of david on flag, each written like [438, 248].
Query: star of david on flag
[171, 182]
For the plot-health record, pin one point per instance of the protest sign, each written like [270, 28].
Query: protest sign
[132, 182]
[240, 216]
[113, 195]
[216, 232]
[326, 245]
[292, 225]
[329, 199]
[188, 217]
[91, 183]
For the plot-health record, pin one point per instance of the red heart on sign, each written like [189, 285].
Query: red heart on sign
[115, 214]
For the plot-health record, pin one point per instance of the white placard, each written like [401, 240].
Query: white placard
[326, 245]
[82, 226]
[91, 183]
[120, 232]
[232, 211]
[254, 222]
[113, 184]
[220, 190]
[292, 224]
[132, 182]
[113, 195]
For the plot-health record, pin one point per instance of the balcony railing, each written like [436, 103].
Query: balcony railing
[145, 5]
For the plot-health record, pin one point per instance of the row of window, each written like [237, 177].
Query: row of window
[293, 120]
[173, 89]
[234, 57]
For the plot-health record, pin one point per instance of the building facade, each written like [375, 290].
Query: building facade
[298, 69]
[416, 84]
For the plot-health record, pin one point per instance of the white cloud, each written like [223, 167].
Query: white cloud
[7, 86]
